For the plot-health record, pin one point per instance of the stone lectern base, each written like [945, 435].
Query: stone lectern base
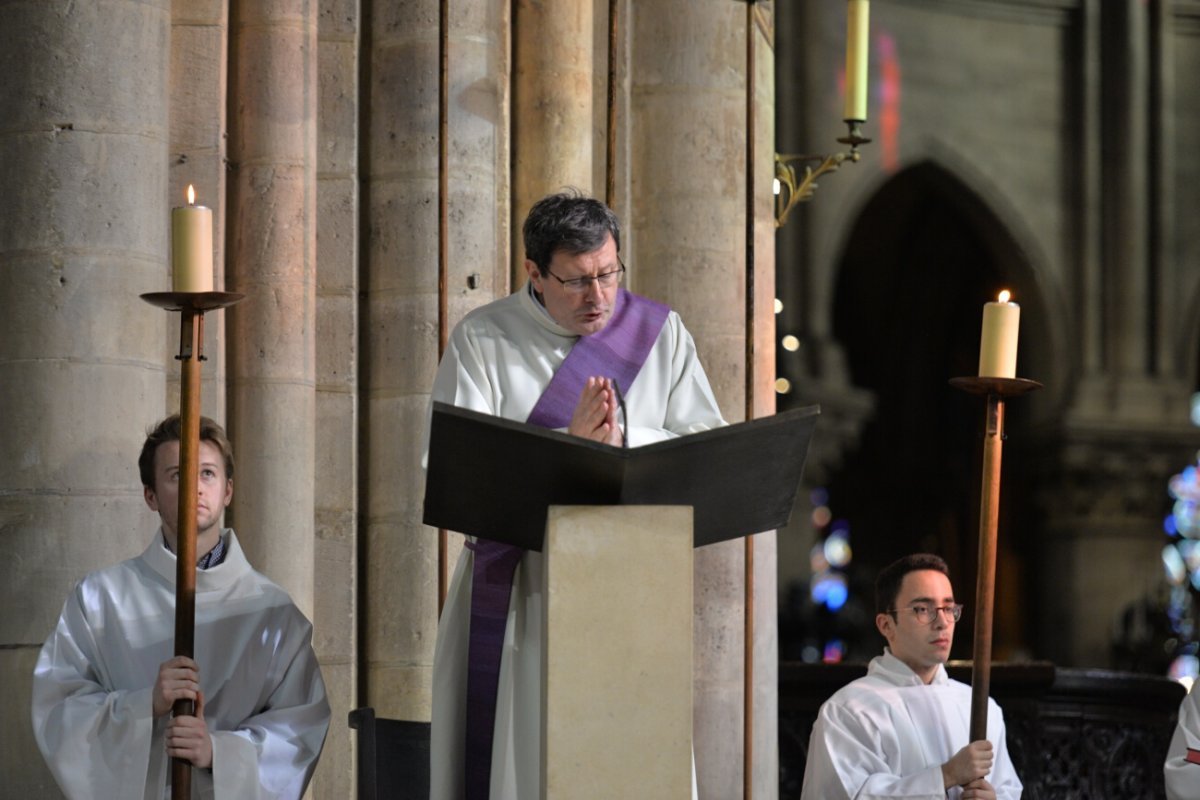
[617, 663]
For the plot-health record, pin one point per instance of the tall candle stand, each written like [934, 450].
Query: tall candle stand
[191, 353]
[996, 390]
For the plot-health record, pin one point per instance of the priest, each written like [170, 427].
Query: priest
[574, 351]
[902, 730]
[106, 680]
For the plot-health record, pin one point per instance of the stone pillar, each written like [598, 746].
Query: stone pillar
[335, 496]
[1124, 113]
[400, 310]
[1125, 433]
[688, 85]
[1100, 496]
[272, 259]
[198, 86]
[553, 120]
[83, 231]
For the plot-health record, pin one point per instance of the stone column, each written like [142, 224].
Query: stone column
[400, 310]
[1124, 116]
[553, 55]
[1102, 498]
[272, 259]
[83, 231]
[688, 85]
[1100, 495]
[337, 398]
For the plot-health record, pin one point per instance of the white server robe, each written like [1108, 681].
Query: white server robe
[1183, 776]
[887, 735]
[264, 700]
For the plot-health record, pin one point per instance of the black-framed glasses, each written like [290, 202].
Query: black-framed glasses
[925, 613]
[607, 280]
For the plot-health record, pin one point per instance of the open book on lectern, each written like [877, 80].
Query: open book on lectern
[494, 478]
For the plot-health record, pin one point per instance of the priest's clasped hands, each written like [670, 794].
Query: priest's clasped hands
[595, 415]
[968, 769]
[187, 737]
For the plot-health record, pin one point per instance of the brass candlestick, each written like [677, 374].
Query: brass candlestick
[794, 189]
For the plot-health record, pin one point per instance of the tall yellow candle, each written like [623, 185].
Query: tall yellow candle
[191, 247]
[998, 342]
[858, 47]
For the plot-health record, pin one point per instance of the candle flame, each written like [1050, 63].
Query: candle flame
[1004, 295]
[191, 195]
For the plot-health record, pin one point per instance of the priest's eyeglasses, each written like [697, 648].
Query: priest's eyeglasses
[607, 280]
[925, 613]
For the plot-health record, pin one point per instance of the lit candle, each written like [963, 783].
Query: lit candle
[858, 46]
[998, 342]
[191, 247]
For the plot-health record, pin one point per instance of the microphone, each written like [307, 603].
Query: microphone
[624, 413]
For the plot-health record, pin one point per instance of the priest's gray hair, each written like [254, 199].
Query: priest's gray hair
[568, 221]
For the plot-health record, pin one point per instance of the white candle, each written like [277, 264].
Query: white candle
[998, 342]
[858, 46]
[191, 247]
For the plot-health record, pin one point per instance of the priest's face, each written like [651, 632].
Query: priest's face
[582, 308]
[921, 645]
[214, 491]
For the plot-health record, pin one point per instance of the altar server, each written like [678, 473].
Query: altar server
[106, 679]
[901, 731]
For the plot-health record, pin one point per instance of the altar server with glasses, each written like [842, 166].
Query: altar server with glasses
[902, 731]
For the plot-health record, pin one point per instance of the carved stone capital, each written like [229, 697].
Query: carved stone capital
[1102, 474]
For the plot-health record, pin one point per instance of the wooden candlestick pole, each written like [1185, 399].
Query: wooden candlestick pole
[985, 586]
[751, 380]
[995, 390]
[443, 540]
[191, 353]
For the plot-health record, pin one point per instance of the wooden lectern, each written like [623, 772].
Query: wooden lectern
[616, 528]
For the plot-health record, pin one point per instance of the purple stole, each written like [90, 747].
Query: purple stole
[618, 352]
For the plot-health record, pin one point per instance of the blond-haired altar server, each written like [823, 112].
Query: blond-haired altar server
[106, 678]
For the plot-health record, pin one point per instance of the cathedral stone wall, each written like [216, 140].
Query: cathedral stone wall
[1069, 130]
[83, 152]
[1063, 134]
